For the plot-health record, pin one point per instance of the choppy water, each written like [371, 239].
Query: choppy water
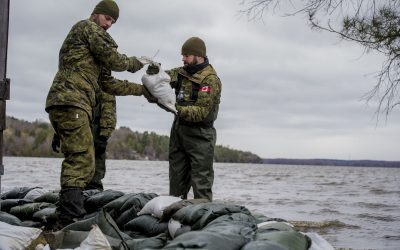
[356, 208]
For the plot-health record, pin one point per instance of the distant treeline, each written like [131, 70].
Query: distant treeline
[330, 162]
[33, 139]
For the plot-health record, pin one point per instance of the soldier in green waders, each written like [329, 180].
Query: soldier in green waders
[193, 136]
[86, 59]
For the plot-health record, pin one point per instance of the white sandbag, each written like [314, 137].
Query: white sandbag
[156, 206]
[42, 247]
[158, 85]
[271, 222]
[16, 237]
[35, 193]
[94, 241]
[173, 226]
[145, 60]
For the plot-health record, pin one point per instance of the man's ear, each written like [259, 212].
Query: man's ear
[92, 17]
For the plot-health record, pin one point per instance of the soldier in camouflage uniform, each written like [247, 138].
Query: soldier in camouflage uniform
[86, 59]
[193, 136]
[104, 122]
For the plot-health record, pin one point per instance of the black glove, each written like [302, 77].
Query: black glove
[55, 143]
[153, 69]
[100, 144]
[150, 98]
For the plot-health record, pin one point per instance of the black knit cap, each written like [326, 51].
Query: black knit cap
[194, 46]
[107, 7]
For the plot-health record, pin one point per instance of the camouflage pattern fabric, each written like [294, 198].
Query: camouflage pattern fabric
[108, 114]
[86, 59]
[73, 127]
[191, 149]
[206, 105]
[104, 124]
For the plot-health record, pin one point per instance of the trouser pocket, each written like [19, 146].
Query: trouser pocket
[73, 126]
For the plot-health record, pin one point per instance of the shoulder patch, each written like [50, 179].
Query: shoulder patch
[206, 88]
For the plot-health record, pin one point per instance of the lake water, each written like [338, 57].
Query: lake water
[351, 207]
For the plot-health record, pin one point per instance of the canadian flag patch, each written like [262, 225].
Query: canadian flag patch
[205, 89]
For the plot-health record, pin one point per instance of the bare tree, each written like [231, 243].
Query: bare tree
[375, 24]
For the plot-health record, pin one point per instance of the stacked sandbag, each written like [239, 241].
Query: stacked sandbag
[198, 216]
[213, 226]
[127, 207]
[148, 223]
[50, 197]
[174, 207]
[10, 219]
[279, 236]
[17, 237]
[6, 205]
[95, 240]
[35, 193]
[29, 206]
[26, 211]
[156, 242]
[72, 235]
[94, 202]
[16, 193]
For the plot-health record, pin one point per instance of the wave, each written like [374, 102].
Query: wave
[387, 218]
[326, 224]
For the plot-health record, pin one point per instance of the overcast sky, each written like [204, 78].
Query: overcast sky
[287, 91]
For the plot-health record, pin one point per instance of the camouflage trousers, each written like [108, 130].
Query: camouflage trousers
[73, 126]
[191, 156]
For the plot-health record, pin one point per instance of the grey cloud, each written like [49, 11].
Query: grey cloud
[287, 91]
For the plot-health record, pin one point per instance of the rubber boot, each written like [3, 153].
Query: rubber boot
[71, 206]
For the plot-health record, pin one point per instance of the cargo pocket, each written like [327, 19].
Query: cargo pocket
[74, 131]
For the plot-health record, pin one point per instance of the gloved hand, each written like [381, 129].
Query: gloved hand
[134, 65]
[153, 69]
[100, 144]
[150, 98]
[55, 143]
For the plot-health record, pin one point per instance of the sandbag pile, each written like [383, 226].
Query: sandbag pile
[149, 221]
[30, 207]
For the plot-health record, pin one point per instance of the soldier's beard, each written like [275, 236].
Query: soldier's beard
[192, 63]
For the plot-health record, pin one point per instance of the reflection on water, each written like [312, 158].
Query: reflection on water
[350, 207]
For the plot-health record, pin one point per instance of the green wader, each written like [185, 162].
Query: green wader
[72, 124]
[190, 159]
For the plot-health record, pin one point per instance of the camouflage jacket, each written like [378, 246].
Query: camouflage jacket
[86, 59]
[108, 114]
[201, 94]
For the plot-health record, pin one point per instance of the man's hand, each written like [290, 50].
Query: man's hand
[150, 98]
[55, 143]
[153, 69]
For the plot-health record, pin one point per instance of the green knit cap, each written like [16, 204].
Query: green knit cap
[107, 7]
[194, 46]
